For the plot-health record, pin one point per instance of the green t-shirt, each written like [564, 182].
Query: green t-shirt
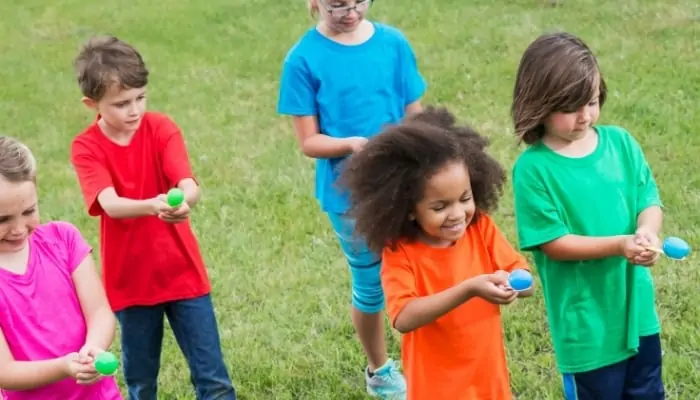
[597, 309]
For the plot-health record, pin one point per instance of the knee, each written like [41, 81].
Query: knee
[367, 293]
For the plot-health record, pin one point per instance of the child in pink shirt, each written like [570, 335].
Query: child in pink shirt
[54, 315]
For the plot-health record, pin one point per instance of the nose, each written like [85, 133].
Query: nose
[17, 229]
[133, 109]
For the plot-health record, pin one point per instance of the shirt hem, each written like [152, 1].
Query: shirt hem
[160, 300]
[577, 369]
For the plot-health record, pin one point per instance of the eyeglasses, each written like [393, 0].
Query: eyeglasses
[339, 12]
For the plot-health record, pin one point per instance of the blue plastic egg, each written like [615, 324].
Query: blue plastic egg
[676, 248]
[520, 280]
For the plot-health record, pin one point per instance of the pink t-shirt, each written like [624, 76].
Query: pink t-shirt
[40, 313]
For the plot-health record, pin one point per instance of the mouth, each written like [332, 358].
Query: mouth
[455, 228]
[15, 242]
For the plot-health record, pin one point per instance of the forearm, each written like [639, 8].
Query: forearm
[651, 219]
[191, 190]
[324, 146]
[425, 310]
[122, 207]
[27, 375]
[100, 329]
[575, 247]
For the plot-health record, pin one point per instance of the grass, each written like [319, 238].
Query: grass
[281, 287]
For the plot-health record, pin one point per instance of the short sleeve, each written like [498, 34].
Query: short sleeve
[503, 255]
[398, 282]
[414, 83]
[647, 190]
[536, 216]
[297, 92]
[176, 161]
[93, 175]
[76, 248]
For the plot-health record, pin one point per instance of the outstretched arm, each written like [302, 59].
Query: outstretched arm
[27, 375]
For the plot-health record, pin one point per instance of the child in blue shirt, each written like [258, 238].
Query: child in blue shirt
[341, 83]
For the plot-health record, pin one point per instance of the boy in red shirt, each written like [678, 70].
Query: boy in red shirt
[152, 267]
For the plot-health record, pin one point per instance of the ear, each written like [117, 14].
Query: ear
[89, 103]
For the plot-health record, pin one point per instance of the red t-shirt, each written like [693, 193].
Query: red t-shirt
[145, 261]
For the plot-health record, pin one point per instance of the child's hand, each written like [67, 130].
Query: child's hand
[83, 372]
[494, 288]
[356, 143]
[159, 204]
[86, 356]
[630, 249]
[175, 215]
[505, 275]
[646, 239]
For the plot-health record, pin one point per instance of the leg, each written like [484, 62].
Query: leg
[605, 383]
[195, 328]
[141, 340]
[383, 378]
[644, 372]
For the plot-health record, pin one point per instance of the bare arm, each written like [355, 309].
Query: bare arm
[122, 207]
[315, 145]
[575, 247]
[651, 220]
[27, 375]
[191, 190]
[99, 318]
[414, 108]
[424, 310]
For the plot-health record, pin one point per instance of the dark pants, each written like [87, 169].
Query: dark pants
[195, 328]
[637, 378]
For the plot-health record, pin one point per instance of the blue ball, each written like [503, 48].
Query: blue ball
[520, 280]
[676, 248]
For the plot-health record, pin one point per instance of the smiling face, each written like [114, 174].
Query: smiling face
[19, 214]
[447, 206]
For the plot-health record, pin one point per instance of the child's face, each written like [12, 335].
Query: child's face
[19, 214]
[343, 15]
[572, 126]
[121, 109]
[447, 206]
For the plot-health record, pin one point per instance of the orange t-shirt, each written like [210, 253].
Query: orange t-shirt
[461, 355]
[145, 261]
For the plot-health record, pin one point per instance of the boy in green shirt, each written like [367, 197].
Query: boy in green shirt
[588, 209]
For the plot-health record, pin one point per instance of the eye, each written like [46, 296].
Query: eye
[4, 219]
[29, 212]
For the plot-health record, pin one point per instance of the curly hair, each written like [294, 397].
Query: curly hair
[388, 177]
[558, 72]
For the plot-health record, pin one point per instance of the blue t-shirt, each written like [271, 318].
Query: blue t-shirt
[353, 90]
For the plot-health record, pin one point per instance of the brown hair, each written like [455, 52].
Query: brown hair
[17, 163]
[387, 178]
[104, 61]
[558, 73]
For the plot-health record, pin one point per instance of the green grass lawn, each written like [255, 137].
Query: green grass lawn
[280, 285]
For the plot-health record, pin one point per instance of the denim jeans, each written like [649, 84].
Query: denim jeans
[195, 329]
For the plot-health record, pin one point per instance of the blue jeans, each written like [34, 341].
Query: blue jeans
[195, 329]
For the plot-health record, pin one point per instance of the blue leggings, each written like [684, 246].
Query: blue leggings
[367, 293]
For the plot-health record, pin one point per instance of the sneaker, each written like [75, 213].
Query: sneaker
[387, 382]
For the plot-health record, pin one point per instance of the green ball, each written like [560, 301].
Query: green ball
[175, 197]
[106, 363]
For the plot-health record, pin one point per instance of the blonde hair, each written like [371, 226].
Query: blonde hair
[312, 5]
[17, 163]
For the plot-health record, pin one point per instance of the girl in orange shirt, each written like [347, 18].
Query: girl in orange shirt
[420, 193]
